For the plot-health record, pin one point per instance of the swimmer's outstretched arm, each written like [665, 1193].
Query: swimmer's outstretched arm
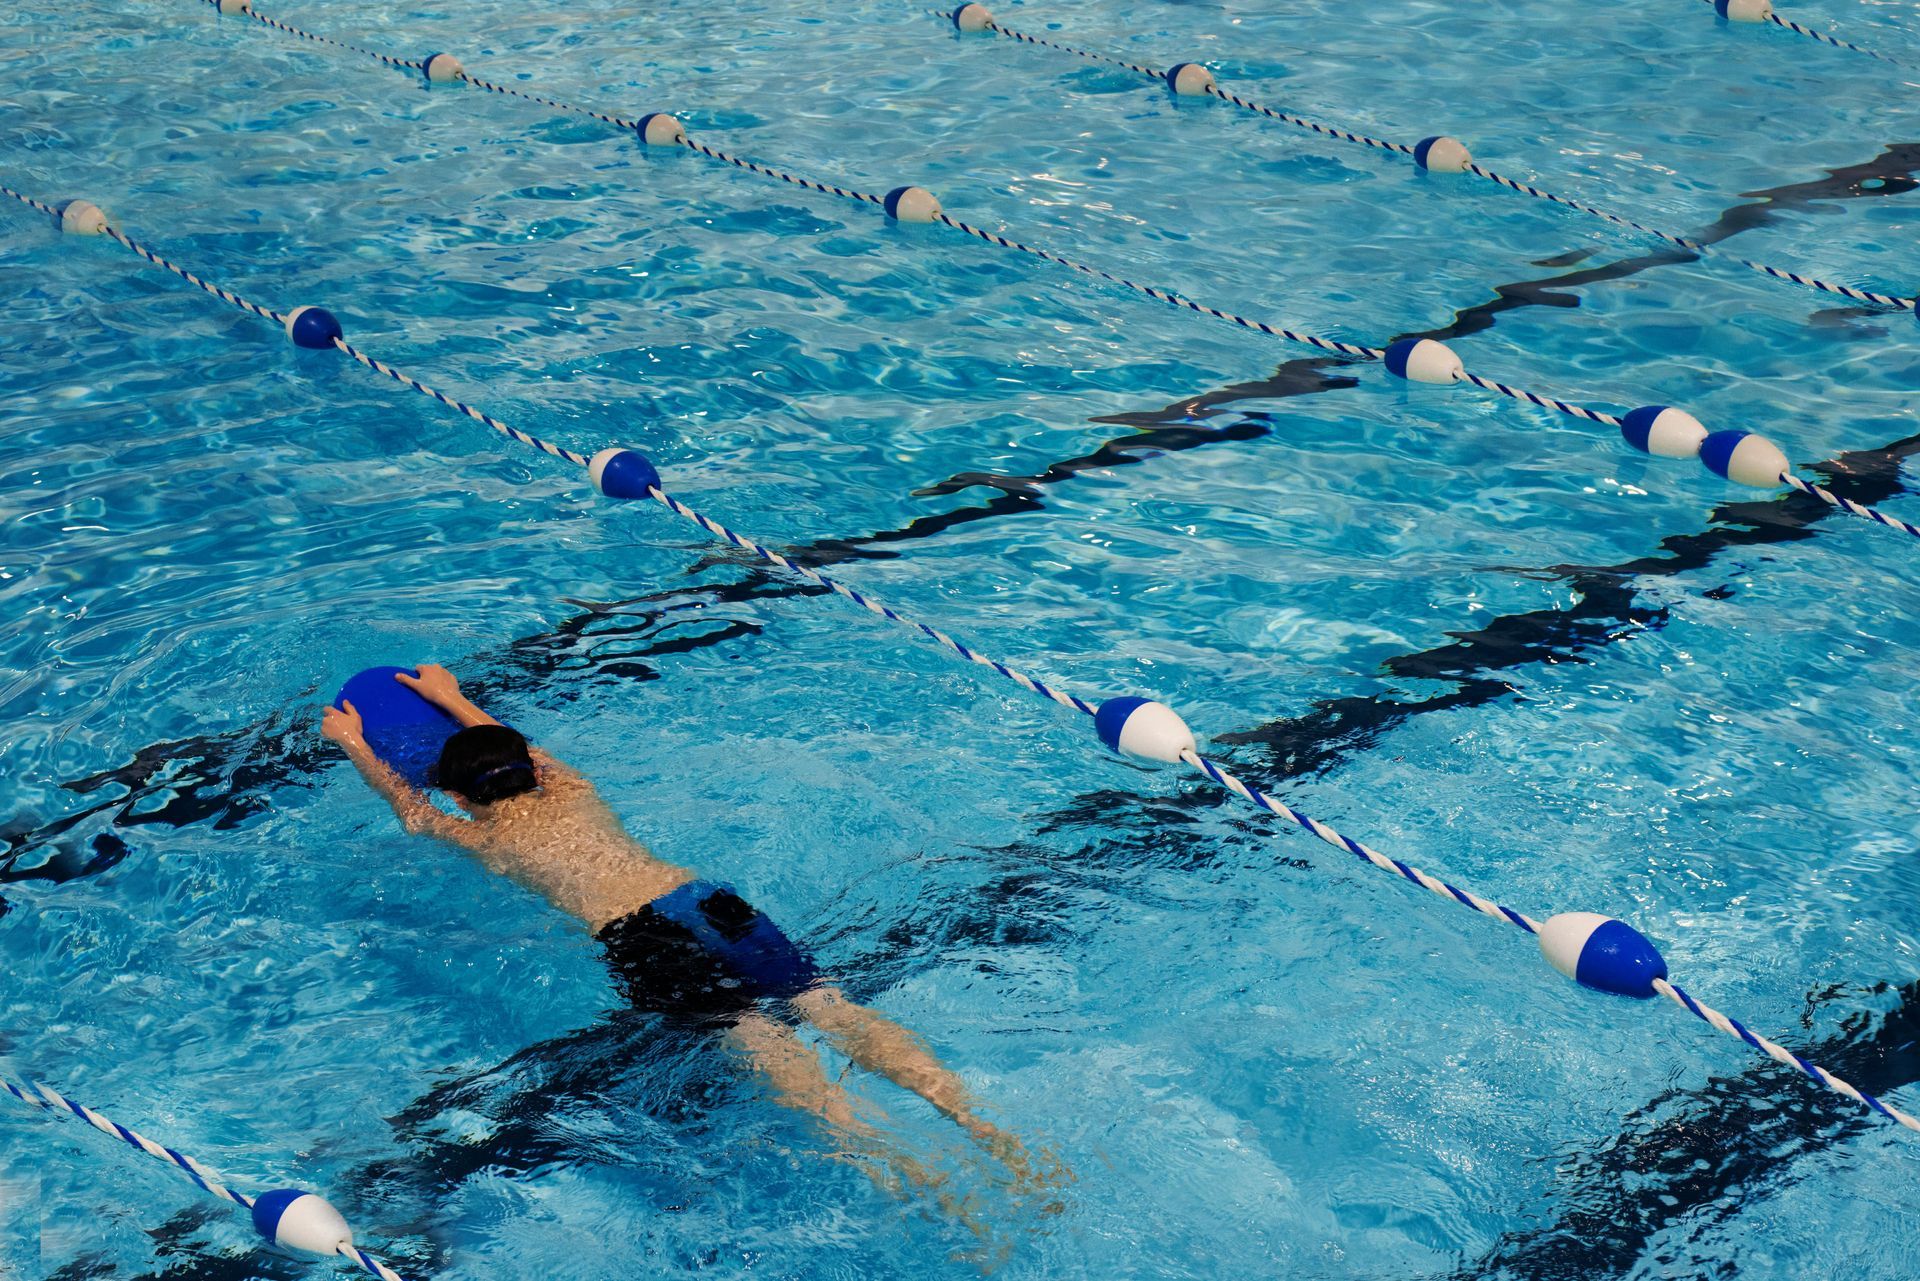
[416, 813]
[437, 685]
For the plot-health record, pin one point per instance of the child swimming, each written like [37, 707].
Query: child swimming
[686, 948]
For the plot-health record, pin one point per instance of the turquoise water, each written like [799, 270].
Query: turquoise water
[1484, 639]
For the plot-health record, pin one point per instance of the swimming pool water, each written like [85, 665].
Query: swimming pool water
[1486, 640]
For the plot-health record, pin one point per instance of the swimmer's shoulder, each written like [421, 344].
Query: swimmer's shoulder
[555, 774]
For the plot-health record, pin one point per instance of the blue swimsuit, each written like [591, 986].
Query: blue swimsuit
[702, 952]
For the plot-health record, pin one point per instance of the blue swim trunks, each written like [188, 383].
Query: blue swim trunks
[702, 952]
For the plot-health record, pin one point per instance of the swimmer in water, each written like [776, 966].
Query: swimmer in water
[678, 945]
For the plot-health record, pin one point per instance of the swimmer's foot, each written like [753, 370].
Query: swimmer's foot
[909, 1179]
[1031, 1172]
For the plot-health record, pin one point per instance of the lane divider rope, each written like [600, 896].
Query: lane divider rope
[1823, 37]
[1441, 154]
[1415, 360]
[244, 8]
[1759, 11]
[287, 1217]
[1596, 951]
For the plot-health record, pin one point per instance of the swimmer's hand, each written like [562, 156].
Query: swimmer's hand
[343, 727]
[434, 683]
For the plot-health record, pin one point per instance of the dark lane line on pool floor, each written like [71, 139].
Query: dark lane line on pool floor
[1694, 1158]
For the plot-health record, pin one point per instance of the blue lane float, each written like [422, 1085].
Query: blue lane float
[1442, 154]
[1663, 431]
[288, 1218]
[442, 69]
[1144, 728]
[1761, 11]
[623, 473]
[972, 18]
[658, 129]
[314, 328]
[1422, 360]
[1190, 80]
[911, 204]
[1741, 456]
[82, 218]
[1602, 953]
[297, 1220]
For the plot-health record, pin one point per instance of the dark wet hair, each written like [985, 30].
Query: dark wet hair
[486, 763]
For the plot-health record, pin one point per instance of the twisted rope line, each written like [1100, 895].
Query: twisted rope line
[224, 295]
[1534, 398]
[753, 166]
[1217, 774]
[48, 1099]
[511, 433]
[1401, 148]
[1090, 56]
[618, 122]
[1690, 244]
[409, 63]
[1354, 350]
[1823, 37]
[370, 1264]
[865, 602]
[1215, 90]
[1486, 907]
[1301, 122]
[1779, 1053]
[1847, 505]
[31, 203]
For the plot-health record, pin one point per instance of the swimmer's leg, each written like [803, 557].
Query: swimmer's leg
[800, 1081]
[798, 1078]
[880, 1045]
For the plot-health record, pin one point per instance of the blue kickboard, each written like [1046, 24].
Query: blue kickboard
[402, 728]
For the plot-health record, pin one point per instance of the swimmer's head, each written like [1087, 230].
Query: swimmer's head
[485, 763]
